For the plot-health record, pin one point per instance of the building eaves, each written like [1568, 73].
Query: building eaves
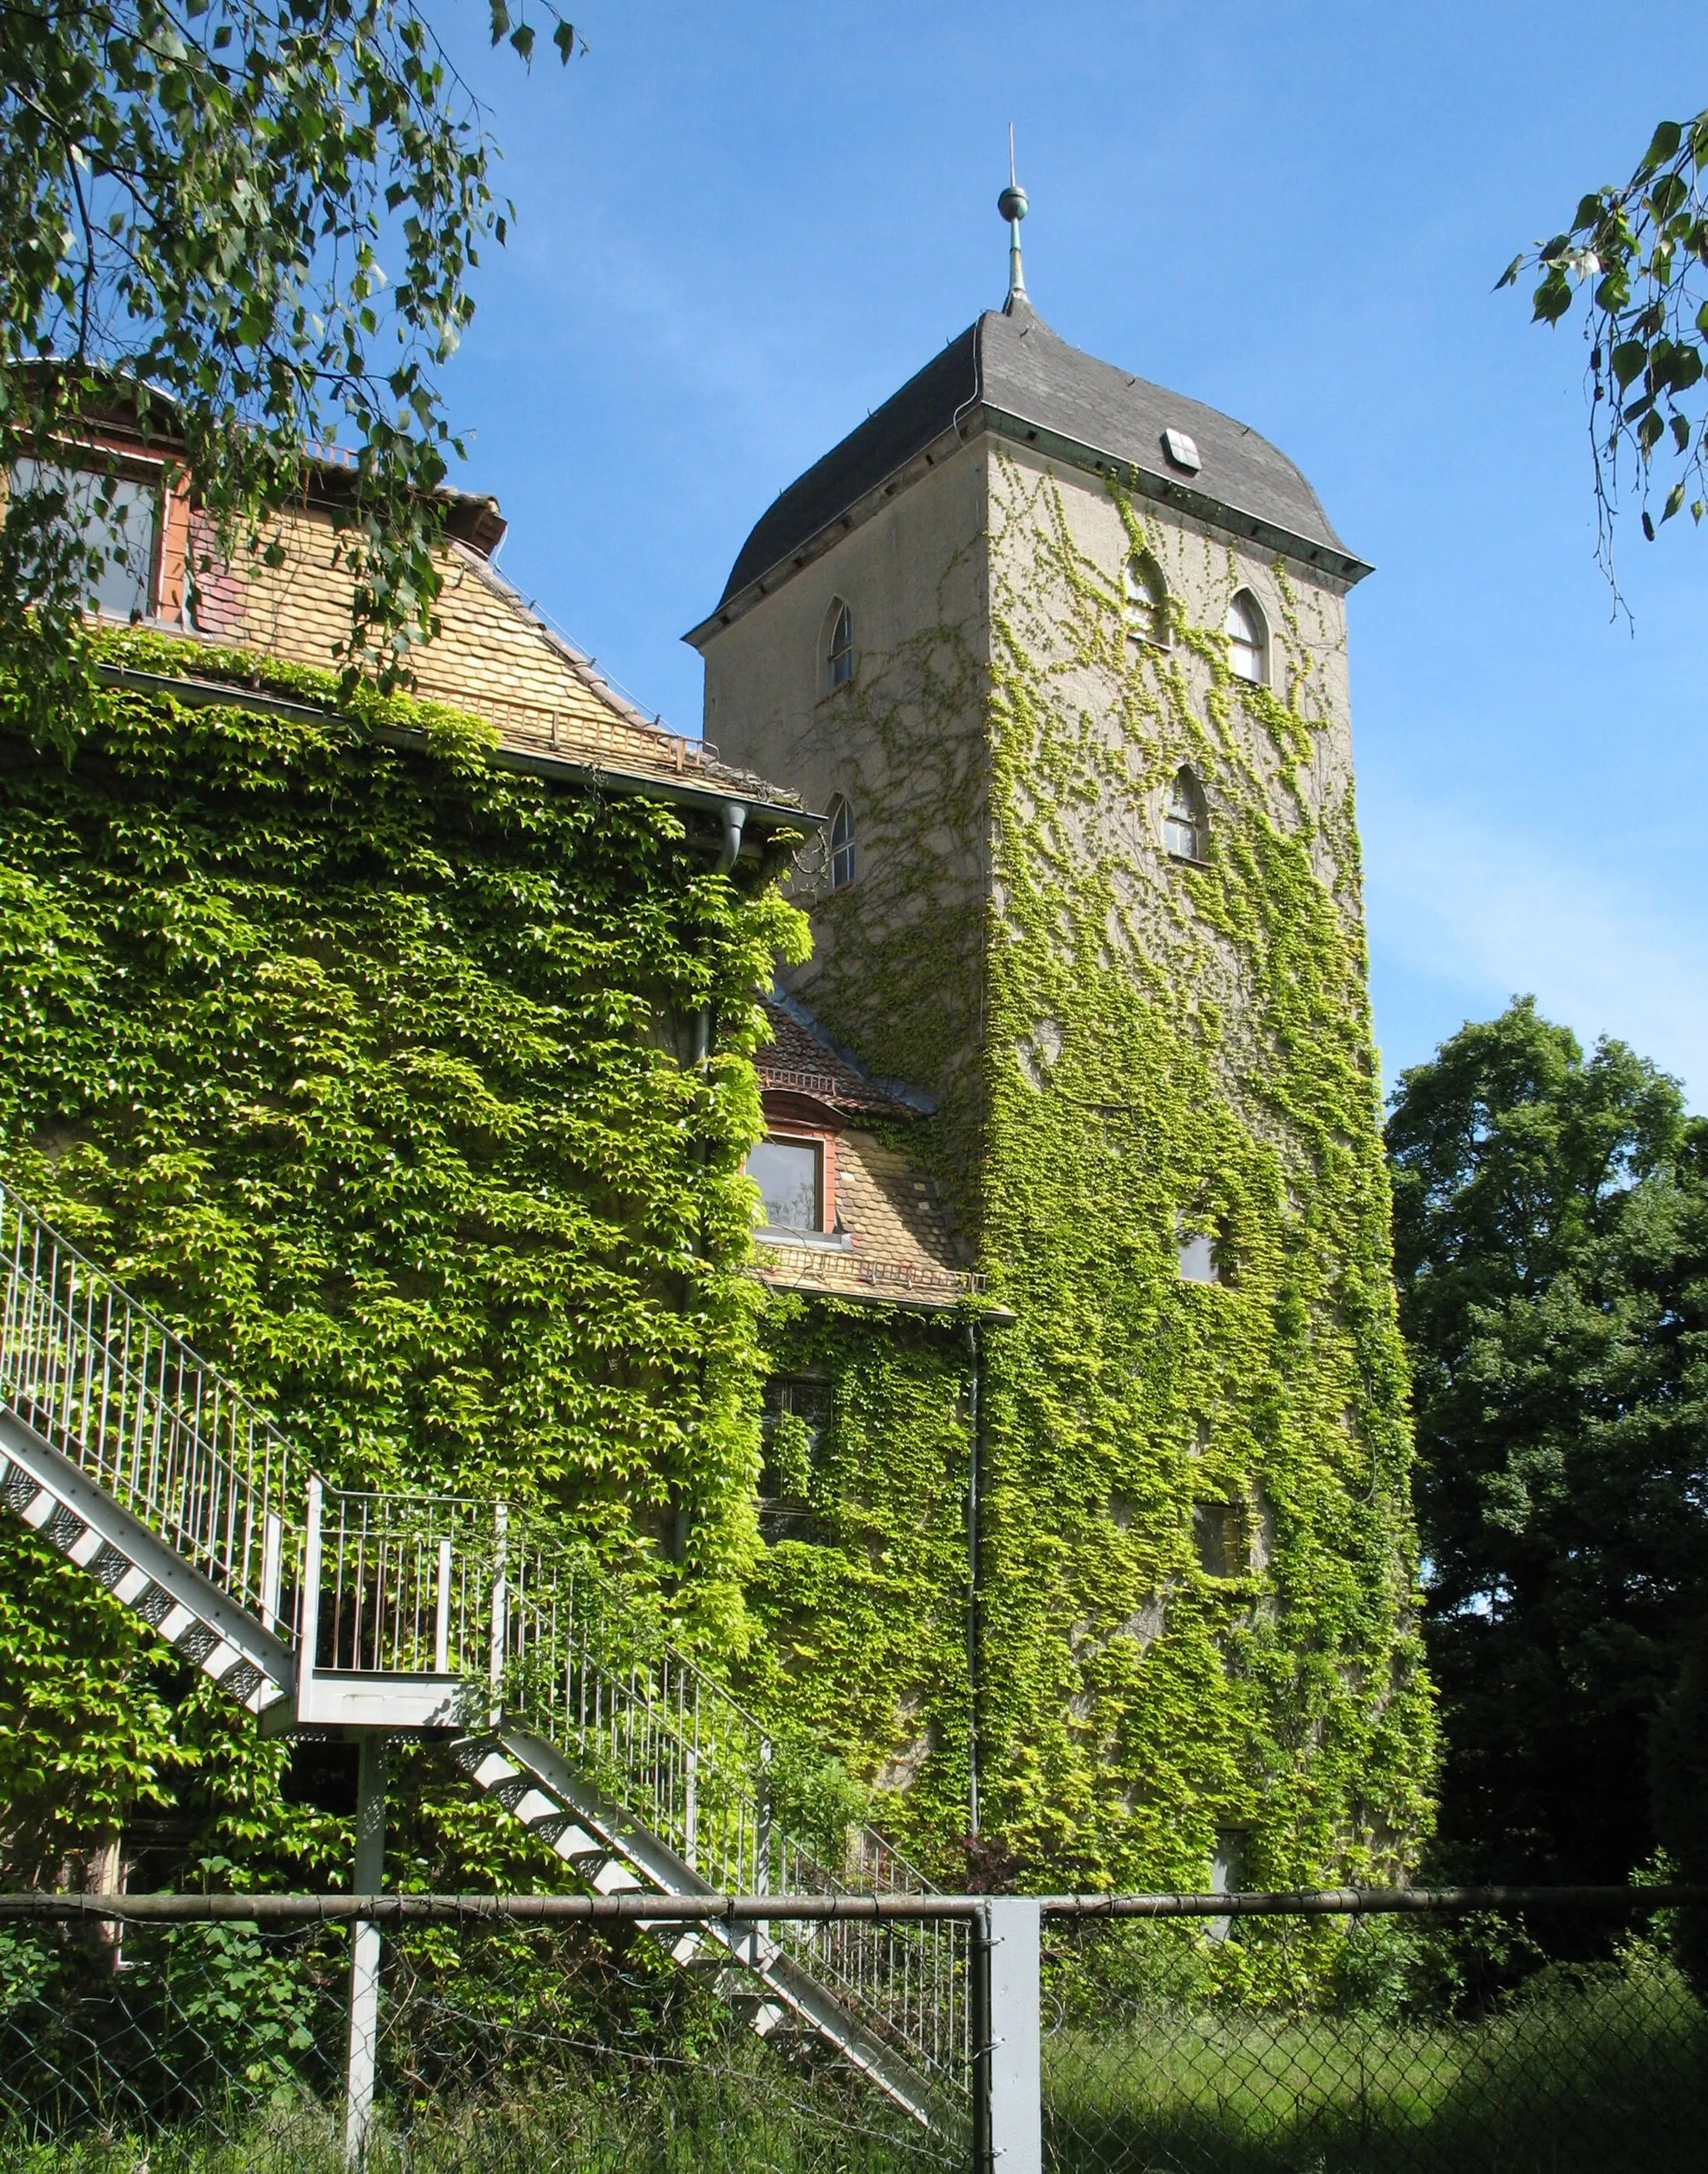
[766, 808]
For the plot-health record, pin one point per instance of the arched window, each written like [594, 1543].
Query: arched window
[1186, 820]
[841, 844]
[1145, 600]
[839, 645]
[1248, 639]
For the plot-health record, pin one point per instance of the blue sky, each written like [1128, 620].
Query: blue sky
[741, 227]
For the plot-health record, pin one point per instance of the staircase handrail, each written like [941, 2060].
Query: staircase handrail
[128, 1400]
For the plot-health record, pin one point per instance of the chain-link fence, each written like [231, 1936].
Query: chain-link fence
[1314, 2035]
[220, 2047]
[1430, 2043]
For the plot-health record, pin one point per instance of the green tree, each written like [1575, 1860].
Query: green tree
[1638, 253]
[263, 216]
[1551, 1235]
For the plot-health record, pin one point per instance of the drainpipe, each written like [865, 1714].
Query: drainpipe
[973, 1475]
[735, 815]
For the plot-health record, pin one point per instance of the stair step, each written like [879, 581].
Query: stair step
[565, 1834]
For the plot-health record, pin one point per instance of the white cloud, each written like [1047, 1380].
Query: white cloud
[1463, 905]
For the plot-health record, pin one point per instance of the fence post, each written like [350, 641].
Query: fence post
[1008, 2095]
[364, 1946]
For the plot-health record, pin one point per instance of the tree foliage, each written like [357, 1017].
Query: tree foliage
[1638, 253]
[1551, 1240]
[262, 216]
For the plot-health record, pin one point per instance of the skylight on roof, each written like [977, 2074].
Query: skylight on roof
[1182, 451]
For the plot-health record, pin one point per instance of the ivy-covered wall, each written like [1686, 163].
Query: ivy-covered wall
[860, 1592]
[370, 1068]
[1198, 1567]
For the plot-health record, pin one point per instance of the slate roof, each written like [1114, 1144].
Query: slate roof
[1015, 365]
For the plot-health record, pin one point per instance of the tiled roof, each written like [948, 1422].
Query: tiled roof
[798, 1061]
[495, 654]
[545, 697]
[898, 1246]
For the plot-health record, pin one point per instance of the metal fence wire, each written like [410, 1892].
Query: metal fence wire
[1414, 2044]
[219, 2048]
[1286, 2035]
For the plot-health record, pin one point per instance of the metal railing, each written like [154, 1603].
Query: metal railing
[406, 1584]
[729, 1797]
[126, 1399]
[414, 1585]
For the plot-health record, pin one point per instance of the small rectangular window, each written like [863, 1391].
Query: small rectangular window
[1197, 1254]
[117, 516]
[792, 1421]
[1218, 1535]
[790, 1174]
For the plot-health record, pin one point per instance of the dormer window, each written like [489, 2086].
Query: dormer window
[1186, 822]
[841, 844]
[115, 520]
[792, 1172]
[838, 647]
[1248, 639]
[1144, 600]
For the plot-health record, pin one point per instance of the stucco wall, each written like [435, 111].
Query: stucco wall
[896, 965]
[1060, 607]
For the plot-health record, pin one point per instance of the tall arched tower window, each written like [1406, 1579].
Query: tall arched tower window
[841, 844]
[1186, 821]
[1248, 639]
[839, 645]
[1145, 600]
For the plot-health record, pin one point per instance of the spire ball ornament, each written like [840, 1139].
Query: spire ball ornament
[1014, 206]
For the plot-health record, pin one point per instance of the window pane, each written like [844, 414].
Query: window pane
[788, 1174]
[841, 654]
[127, 526]
[1181, 838]
[1198, 1258]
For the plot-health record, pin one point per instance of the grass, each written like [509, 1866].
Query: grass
[742, 2111]
[1600, 2076]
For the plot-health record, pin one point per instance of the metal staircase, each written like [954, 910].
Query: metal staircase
[317, 1608]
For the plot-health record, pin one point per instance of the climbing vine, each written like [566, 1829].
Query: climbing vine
[861, 1595]
[369, 1066]
[1198, 1566]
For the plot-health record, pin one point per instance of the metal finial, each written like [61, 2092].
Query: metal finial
[1014, 206]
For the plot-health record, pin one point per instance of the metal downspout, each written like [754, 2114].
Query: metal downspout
[973, 1477]
[735, 815]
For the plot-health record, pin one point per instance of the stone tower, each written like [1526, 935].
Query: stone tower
[1064, 656]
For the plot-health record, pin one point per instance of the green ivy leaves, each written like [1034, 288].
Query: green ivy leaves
[362, 1065]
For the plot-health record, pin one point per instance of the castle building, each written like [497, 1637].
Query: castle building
[1062, 655]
